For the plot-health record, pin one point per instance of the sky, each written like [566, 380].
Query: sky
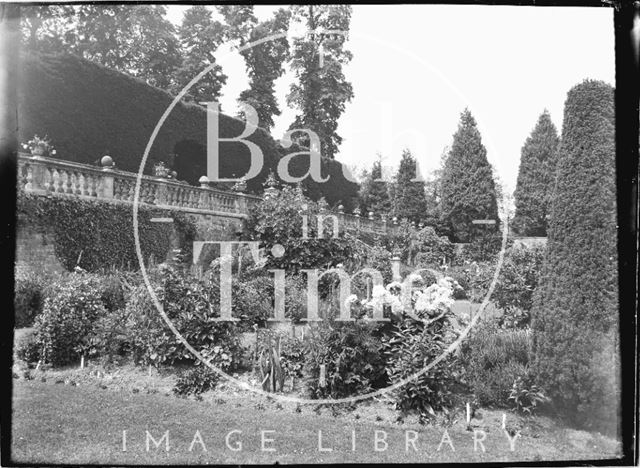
[416, 67]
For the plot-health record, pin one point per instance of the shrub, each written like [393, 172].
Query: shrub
[110, 336]
[28, 347]
[29, 298]
[278, 219]
[68, 318]
[493, 360]
[191, 305]
[196, 381]
[411, 346]
[432, 248]
[575, 308]
[351, 354]
[254, 299]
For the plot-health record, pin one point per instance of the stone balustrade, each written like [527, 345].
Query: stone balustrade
[49, 176]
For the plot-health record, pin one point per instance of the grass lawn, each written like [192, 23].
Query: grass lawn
[57, 423]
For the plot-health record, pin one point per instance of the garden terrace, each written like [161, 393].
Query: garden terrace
[54, 177]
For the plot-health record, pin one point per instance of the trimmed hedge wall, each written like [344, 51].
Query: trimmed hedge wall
[100, 234]
[89, 111]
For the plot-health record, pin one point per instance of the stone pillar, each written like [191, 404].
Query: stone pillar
[36, 176]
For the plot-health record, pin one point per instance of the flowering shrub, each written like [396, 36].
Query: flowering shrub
[420, 336]
[40, 146]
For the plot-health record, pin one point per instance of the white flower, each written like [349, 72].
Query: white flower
[352, 299]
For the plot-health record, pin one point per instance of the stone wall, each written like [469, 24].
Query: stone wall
[35, 251]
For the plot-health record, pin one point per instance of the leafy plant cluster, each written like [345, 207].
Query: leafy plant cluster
[409, 347]
[191, 305]
[279, 218]
[29, 294]
[494, 359]
[351, 354]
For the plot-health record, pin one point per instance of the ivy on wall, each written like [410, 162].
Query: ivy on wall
[97, 235]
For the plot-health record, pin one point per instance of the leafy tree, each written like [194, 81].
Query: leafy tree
[534, 189]
[467, 187]
[321, 90]
[374, 195]
[575, 311]
[199, 37]
[47, 28]
[409, 198]
[135, 39]
[264, 61]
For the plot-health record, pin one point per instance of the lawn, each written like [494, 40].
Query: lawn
[58, 423]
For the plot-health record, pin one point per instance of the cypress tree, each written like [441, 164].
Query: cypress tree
[374, 195]
[467, 187]
[409, 197]
[534, 188]
[575, 312]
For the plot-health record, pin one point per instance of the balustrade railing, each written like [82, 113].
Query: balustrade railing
[48, 176]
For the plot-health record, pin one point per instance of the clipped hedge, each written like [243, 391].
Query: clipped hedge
[96, 235]
[89, 111]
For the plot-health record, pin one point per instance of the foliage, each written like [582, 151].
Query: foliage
[278, 219]
[575, 310]
[409, 198]
[493, 360]
[196, 381]
[68, 317]
[415, 342]
[199, 36]
[536, 176]
[351, 354]
[432, 248]
[374, 195]
[254, 299]
[467, 187]
[292, 357]
[191, 306]
[517, 281]
[320, 91]
[136, 39]
[96, 236]
[525, 397]
[28, 297]
[411, 346]
[264, 61]
[28, 347]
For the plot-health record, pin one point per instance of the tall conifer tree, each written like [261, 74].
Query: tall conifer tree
[467, 187]
[536, 176]
[575, 312]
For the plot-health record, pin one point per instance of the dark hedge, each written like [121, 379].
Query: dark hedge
[575, 312]
[89, 111]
